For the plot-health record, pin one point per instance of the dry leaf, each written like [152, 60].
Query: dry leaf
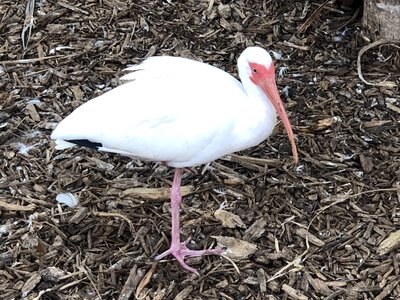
[376, 123]
[229, 219]
[78, 94]
[235, 248]
[185, 293]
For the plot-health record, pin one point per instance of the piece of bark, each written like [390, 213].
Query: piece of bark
[392, 242]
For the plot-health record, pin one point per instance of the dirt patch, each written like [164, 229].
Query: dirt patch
[326, 228]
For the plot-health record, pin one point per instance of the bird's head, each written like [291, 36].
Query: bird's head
[256, 64]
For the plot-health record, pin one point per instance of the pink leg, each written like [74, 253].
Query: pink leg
[178, 248]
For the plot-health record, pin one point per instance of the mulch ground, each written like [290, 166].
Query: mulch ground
[327, 228]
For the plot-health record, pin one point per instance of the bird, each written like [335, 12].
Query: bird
[183, 113]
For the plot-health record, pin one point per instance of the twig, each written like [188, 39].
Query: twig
[303, 28]
[28, 60]
[83, 268]
[210, 5]
[232, 262]
[355, 16]
[293, 45]
[115, 215]
[281, 273]
[28, 23]
[16, 207]
[388, 84]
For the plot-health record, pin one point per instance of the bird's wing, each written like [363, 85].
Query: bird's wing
[172, 109]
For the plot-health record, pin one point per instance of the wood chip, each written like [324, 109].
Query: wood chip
[366, 163]
[319, 286]
[52, 274]
[156, 193]
[101, 164]
[293, 293]
[304, 233]
[184, 293]
[256, 230]
[30, 284]
[135, 276]
[320, 125]
[391, 243]
[393, 107]
[32, 112]
[387, 290]
[262, 280]
[79, 215]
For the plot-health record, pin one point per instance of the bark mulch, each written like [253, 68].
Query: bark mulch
[327, 228]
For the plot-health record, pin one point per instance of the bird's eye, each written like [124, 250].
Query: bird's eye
[255, 71]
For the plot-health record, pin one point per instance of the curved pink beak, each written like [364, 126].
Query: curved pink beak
[268, 85]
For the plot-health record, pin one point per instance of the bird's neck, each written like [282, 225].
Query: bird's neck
[256, 118]
[258, 98]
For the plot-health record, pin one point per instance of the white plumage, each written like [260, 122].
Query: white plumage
[179, 111]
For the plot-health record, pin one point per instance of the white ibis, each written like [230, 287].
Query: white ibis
[183, 113]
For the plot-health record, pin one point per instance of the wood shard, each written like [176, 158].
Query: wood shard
[319, 285]
[30, 284]
[184, 293]
[387, 290]
[293, 293]
[16, 207]
[304, 233]
[366, 163]
[392, 242]
[52, 274]
[135, 276]
[256, 230]
[156, 193]
[79, 215]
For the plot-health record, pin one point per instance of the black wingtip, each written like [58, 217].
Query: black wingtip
[86, 143]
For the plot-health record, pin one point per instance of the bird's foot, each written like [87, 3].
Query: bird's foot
[180, 251]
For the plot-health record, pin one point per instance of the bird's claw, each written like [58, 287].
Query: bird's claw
[180, 252]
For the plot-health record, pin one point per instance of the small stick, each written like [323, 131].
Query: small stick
[28, 60]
